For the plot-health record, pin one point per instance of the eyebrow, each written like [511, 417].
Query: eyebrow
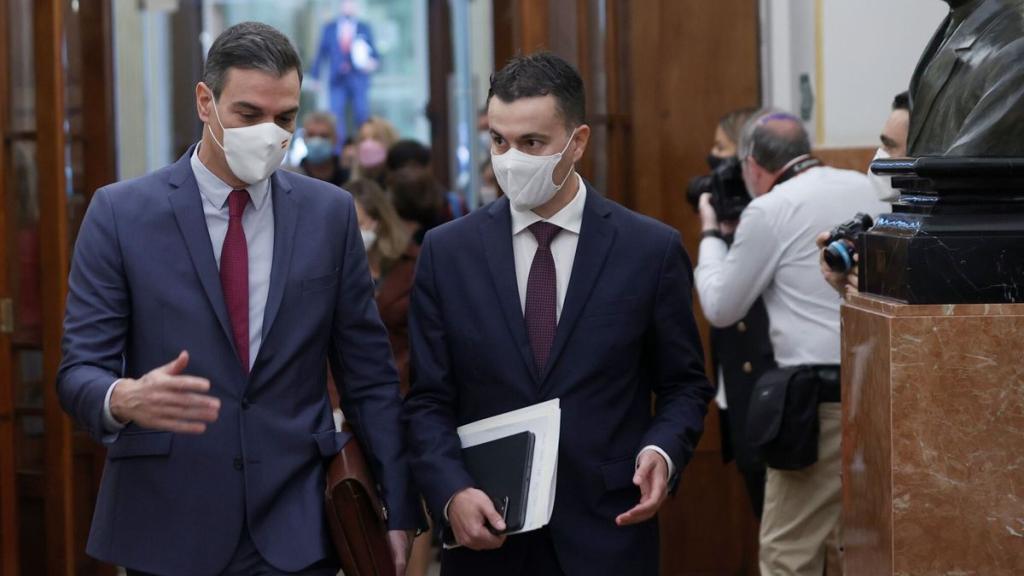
[886, 141]
[248, 106]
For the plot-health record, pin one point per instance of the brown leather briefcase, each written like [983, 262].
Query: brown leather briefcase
[355, 515]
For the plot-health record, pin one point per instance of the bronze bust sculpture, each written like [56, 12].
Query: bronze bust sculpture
[968, 90]
[956, 234]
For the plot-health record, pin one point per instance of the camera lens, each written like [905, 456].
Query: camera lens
[839, 256]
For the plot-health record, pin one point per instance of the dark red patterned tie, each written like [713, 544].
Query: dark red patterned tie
[542, 295]
[234, 274]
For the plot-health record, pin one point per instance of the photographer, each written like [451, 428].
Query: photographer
[774, 256]
[893, 145]
[740, 353]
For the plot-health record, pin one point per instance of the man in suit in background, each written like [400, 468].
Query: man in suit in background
[348, 51]
[555, 292]
[198, 320]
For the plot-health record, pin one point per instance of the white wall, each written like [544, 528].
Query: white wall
[869, 49]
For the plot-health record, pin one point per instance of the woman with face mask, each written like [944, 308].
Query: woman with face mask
[741, 352]
[391, 252]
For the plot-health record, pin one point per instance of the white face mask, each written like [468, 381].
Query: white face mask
[528, 180]
[883, 184]
[253, 152]
[369, 238]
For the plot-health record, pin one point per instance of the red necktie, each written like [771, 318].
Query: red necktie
[542, 296]
[234, 274]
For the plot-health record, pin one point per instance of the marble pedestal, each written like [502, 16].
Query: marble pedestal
[933, 438]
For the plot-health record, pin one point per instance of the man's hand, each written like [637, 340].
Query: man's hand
[652, 478]
[400, 542]
[708, 217]
[845, 284]
[166, 399]
[470, 513]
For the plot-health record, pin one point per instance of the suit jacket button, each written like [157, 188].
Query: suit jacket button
[748, 367]
[238, 463]
[742, 326]
[245, 403]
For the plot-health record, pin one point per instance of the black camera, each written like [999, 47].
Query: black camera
[725, 184]
[841, 245]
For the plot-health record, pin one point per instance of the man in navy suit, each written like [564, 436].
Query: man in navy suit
[204, 299]
[555, 292]
[348, 51]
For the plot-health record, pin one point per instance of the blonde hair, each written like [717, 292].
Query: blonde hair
[379, 129]
[392, 238]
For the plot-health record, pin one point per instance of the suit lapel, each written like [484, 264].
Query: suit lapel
[496, 236]
[285, 215]
[187, 203]
[596, 236]
[945, 62]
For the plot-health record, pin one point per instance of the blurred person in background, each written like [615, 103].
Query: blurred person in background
[489, 188]
[411, 153]
[376, 136]
[742, 351]
[379, 129]
[418, 199]
[322, 160]
[348, 51]
[893, 145]
[392, 256]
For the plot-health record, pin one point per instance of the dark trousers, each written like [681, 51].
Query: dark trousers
[247, 561]
[530, 554]
[351, 90]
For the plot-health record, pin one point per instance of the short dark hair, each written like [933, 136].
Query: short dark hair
[901, 101]
[408, 152]
[541, 74]
[416, 195]
[249, 46]
[776, 139]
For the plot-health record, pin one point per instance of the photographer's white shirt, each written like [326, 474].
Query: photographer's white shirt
[774, 255]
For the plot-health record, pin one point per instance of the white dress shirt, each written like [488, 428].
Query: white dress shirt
[258, 223]
[774, 255]
[563, 250]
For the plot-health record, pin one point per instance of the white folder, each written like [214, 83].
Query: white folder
[544, 420]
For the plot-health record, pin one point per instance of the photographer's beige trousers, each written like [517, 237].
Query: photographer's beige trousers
[801, 508]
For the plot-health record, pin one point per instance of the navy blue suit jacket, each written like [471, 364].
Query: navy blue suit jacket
[338, 63]
[144, 285]
[626, 334]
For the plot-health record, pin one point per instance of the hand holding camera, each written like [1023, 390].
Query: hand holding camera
[839, 257]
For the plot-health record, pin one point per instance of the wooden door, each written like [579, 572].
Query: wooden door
[56, 119]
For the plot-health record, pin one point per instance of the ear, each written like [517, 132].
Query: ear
[582, 139]
[204, 102]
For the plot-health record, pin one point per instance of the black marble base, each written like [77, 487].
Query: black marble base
[955, 237]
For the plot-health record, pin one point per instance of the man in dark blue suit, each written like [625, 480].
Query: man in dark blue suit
[348, 51]
[555, 292]
[204, 299]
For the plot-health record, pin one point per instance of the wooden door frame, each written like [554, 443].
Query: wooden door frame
[9, 547]
[54, 250]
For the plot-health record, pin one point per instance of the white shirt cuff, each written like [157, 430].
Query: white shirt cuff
[110, 424]
[663, 454]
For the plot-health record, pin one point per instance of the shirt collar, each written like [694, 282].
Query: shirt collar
[568, 218]
[216, 191]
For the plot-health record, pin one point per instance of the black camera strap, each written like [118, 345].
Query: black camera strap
[796, 167]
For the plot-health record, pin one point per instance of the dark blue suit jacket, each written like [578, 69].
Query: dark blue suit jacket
[144, 285]
[626, 334]
[330, 53]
